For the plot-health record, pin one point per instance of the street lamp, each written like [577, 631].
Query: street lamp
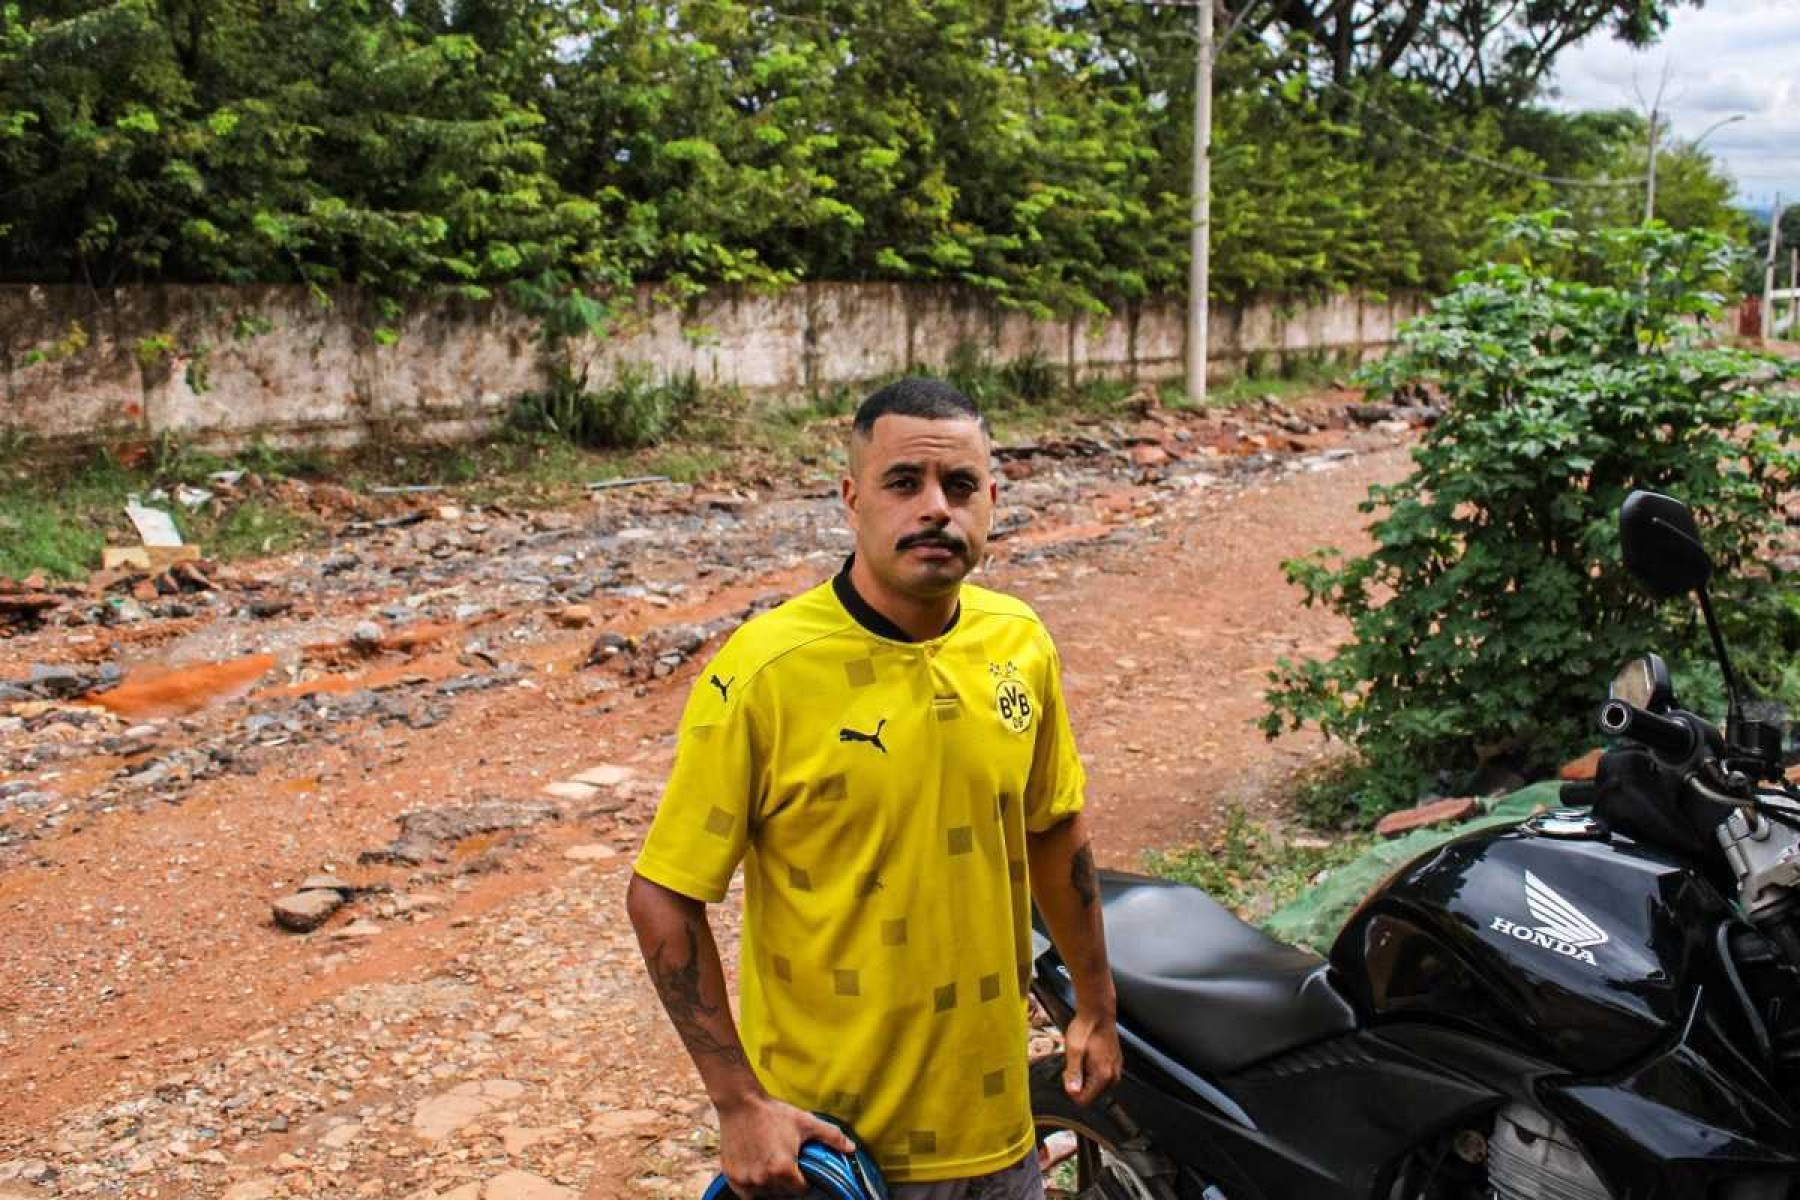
[1650, 178]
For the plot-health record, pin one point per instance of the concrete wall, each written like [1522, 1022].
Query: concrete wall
[222, 365]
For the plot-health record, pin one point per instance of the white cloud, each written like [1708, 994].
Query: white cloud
[1730, 57]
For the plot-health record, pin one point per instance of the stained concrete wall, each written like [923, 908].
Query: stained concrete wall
[223, 365]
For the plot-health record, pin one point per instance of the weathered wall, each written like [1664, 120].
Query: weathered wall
[225, 364]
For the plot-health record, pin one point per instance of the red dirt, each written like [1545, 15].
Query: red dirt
[182, 690]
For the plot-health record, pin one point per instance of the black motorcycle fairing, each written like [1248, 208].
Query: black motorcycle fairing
[1217, 993]
[1677, 1126]
[1476, 935]
[1501, 1068]
[1354, 1106]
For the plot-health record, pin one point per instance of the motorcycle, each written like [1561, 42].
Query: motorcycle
[1602, 1003]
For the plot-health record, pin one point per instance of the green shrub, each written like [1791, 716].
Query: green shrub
[634, 410]
[1032, 378]
[1493, 608]
[971, 372]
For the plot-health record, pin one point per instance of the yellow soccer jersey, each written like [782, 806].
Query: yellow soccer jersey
[878, 793]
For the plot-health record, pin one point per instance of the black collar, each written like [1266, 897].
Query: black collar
[865, 615]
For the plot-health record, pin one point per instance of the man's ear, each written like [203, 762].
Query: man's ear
[847, 492]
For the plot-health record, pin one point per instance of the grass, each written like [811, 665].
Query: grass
[57, 517]
[1258, 382]
[1254, 868]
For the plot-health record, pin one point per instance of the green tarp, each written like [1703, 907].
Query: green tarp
[1314, 919]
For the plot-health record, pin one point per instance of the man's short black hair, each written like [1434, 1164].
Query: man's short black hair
[916, 396]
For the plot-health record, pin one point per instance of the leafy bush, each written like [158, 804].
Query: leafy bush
[634, 410]
[1493, 607]
[1032, 377]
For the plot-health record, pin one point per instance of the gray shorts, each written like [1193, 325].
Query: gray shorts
[1021, 1181]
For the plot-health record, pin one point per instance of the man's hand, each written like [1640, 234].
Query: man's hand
[1091, 1057]
[1067, 890]
[759, 1145]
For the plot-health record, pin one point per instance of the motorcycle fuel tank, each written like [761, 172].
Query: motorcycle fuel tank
[1575, 951]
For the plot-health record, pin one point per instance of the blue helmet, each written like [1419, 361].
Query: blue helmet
[830, 1174]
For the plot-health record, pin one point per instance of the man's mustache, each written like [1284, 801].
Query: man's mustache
[939, 538]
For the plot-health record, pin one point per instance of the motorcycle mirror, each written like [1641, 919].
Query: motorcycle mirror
[1661, 545]
[1644, 683]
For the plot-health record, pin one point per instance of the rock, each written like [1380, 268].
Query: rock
[517, 1139]
[522, 1185]
[468, 1191]
[464, 1104]
[324, 883]
[607, 645]
[605, 776]
[1149, 456]
[304, 912]
[417, 902]
[250, 1189]
[366, 636]
[591, 852]
[340, 1136]
[568, 789]
[356, 929]
[725, 502]
[573, 616]
[57, 682]
[627, 1122]
[1440, 812]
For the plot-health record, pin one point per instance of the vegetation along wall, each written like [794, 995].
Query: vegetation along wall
[228, 364]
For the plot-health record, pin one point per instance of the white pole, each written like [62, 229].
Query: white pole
[1650, 180]
[1200, 237]
[1768, 304]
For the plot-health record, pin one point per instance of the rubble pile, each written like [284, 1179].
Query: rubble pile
[407, 578]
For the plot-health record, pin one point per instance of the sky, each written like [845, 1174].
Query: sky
[1729, 57]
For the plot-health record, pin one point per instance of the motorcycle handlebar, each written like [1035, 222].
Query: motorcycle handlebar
[1670, 736]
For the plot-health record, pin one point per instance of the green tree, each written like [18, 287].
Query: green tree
[1493, 608]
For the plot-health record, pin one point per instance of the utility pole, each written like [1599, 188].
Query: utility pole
[1200, 237]
[1768, 304]
[1650, 177]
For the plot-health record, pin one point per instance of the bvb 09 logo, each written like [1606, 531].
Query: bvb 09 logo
[1015, 705]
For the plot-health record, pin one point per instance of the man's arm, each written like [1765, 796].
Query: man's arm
[1067, 891]
[759, 1136]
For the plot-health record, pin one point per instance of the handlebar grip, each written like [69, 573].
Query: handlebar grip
[1668, 735]
[1577, 793]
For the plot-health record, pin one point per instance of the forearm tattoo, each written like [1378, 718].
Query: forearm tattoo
[677, 981]
[1082, 877]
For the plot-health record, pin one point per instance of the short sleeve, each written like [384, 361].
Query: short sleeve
[702, 826]
[1056, 789]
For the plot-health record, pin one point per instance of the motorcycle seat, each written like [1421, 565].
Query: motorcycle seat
[1214, 992]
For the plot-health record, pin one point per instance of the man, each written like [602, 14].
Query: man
[890, 757]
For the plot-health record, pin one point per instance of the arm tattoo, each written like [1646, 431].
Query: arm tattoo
[677, 981]
[1082, 877]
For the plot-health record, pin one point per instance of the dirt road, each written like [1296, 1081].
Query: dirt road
[474, 1024]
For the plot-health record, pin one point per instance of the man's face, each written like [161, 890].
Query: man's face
[921, 500]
